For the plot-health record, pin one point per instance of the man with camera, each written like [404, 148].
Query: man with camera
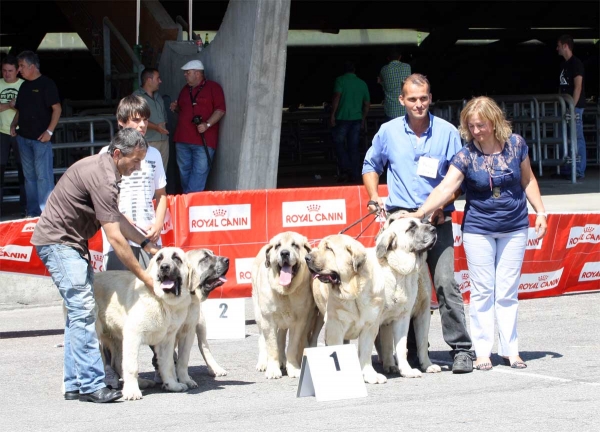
[200, 105]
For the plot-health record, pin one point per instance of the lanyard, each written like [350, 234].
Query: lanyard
[193, 98]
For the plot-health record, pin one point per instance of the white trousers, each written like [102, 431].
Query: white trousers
[495, 262]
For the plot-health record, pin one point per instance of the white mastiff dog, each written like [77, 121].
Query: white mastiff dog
[129, 316]
[401, 251]
[207, 273]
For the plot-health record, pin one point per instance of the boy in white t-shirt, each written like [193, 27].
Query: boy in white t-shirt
[140, 188]
[135, 199]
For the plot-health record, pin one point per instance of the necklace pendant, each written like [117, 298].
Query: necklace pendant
[496, 192]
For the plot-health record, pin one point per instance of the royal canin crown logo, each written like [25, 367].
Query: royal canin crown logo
[588, 229]
[313, 207]
[543, 278]
[219, 212]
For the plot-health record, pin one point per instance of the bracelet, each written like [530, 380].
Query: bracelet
[144, 243]
[543, 214]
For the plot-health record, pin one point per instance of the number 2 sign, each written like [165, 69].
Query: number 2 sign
[225, 318]
[331, 373]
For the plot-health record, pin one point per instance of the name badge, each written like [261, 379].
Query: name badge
[428, 167]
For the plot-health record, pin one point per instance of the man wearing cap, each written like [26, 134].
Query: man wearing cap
[200, 105]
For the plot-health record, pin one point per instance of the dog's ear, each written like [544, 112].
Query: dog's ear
[193, 275]
[307, 248]
[387, 242]
[359, 257]
[267, 258]
[392, 218]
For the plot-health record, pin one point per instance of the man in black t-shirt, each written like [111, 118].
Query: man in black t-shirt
[38, 110]
[571, 82]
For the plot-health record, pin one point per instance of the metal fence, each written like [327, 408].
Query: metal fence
[75, 137]
[547, 122]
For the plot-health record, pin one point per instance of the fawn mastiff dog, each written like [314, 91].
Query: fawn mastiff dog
[283, 303]
[349, 294]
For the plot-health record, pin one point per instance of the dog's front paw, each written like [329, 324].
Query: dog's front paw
[261, 366]
[433, 368]
[391, 369]
[293, 371]
[190, 383]
[131, 392]
[273, 371]
[411, 373]
[372, 377]
[174, 386]
[144, 383]
[219, 371]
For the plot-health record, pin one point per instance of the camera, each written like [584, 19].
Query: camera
[197, 120]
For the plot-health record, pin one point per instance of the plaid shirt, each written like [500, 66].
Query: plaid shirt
[393, 76]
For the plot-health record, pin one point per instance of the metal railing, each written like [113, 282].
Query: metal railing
[60, 156]
[545, 121]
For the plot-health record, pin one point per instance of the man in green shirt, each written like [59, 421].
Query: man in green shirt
[157, 134]
[350, 106]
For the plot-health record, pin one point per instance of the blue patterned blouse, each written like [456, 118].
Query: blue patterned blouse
[495, 199]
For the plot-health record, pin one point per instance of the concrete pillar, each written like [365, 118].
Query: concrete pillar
[247, 57]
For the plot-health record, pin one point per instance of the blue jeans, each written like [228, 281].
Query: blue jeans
[581, 150]
[193, 166]
[36, 158]
[7, 143]
[346, 135]
[74, 277]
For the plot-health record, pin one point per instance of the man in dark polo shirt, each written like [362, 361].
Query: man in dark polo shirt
[572, 82]
[37, 113]
[85, 198]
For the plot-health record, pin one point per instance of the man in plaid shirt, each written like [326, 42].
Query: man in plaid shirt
[391, 77]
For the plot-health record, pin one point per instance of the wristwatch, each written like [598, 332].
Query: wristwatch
[207, 124]
[144, 243]
[49, 132]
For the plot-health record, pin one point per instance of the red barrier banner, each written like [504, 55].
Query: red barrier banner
[567, 259]
[237, 224]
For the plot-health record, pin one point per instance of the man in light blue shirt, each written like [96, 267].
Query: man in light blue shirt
[417, 149]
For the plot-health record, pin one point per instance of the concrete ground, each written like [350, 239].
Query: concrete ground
[560, 390]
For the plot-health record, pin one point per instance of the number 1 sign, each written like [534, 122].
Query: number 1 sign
[331, 373]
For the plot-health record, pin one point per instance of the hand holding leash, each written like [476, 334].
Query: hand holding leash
[377, 207]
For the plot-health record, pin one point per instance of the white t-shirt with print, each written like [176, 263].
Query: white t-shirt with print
[137, 193]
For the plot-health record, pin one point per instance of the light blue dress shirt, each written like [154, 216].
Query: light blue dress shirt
[397, 145]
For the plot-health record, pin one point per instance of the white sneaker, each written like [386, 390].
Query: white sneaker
[111, 379]
[157, 378]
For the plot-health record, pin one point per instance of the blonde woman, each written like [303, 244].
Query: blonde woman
[495, 173]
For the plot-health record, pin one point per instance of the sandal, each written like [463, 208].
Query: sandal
[484, 366]
[517, 364]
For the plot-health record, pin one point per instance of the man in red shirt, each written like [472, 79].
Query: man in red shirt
[200, 105]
